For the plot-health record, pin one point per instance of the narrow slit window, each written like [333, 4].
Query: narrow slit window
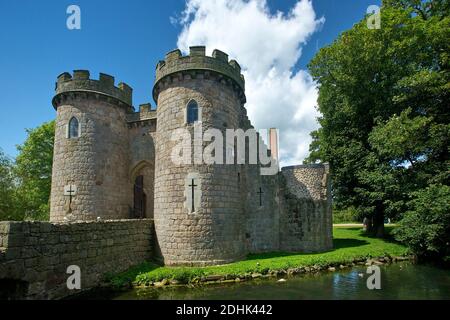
[192, 112]
[74, 128]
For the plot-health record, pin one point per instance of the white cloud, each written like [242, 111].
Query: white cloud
[267, 46]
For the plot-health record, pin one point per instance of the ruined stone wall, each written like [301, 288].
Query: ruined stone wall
[38, 253]
[306, 217]
[262, 218]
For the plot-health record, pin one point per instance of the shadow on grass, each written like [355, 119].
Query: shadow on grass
[337, 244]
[350, 237]
[388, 234]
[348, 243]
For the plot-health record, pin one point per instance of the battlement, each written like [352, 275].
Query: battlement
[81, 82]
[145, 113]
[198, 62]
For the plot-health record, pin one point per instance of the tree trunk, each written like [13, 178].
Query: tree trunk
[375, 225]
[378, 222]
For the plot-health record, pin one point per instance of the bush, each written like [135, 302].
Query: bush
[425, 227]
[346, 215]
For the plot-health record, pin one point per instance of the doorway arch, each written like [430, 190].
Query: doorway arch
[142, 179]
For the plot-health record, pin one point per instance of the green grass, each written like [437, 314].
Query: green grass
[349, 244]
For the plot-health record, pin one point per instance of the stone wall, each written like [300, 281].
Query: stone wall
[306, 217]
[96, 162]
[37, 254]
[142, 158]
[114, 146]
[262, 218]
[214, 234]
[237, 210]
[310, 181]
[240, 210]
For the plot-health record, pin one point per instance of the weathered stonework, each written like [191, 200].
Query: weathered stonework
[198, 63]
[306, 208]
[80, 82]
[215, 233]
[237, 209]
[115, 163]
[39, 253]
[96, 162]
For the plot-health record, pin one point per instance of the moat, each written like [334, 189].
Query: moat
[398, 281]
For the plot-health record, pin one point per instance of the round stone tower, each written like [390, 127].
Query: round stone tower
[198, 215]
[90, 161]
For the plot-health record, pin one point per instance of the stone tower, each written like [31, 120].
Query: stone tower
[90, 164]
[111, 162]
[198, 215]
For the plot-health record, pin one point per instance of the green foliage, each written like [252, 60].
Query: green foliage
[34, 171]
[349, 244]
[347, 215]
[8, 210]
[383, 96]
[25, 184]
[425, 228]
[402, 138]
[425, 9]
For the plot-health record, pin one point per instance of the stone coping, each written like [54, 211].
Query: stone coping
[305, 166]
[72, 222]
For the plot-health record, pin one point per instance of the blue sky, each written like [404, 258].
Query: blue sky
[121, 38]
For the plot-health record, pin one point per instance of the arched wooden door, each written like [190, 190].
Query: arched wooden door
[140, 198]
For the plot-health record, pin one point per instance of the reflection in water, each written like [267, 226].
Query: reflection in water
[345, 285]
[398, 281]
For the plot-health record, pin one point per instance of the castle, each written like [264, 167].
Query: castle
[111, 162]
[119, 199]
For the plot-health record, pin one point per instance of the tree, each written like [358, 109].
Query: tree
[34, 170]
[383, 96]
[7, 190]
[426, 225]
[425, 9]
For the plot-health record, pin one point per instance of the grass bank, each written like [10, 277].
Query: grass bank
[350, 246]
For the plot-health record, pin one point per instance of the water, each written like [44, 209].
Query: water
[398, 281]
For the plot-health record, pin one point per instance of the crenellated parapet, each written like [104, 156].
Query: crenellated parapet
[146, 116]
[80, 82]
[175, 67]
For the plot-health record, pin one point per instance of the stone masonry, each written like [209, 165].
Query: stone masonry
[307, 205]
[113, 163]
[37, 254]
